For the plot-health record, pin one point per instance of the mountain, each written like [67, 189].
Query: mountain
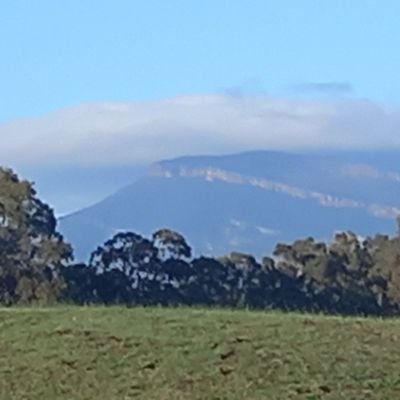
[70, 188]
[248, 201]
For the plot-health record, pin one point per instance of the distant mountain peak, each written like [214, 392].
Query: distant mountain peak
[247, 201]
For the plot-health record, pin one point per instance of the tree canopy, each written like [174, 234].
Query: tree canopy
[31, 251]
[348, 275]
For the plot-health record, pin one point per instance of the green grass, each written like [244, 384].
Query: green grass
[119, 353]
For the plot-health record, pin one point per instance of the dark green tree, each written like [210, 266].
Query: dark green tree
[171, 244]
[335, 276]
[384, 274]
[142, 270]
[31, 251]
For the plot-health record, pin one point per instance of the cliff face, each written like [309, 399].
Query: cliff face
[211, 174]
[245, 202]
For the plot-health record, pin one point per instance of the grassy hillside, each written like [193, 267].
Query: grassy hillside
[119, 353]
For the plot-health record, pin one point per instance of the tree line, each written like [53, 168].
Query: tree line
[349, 275]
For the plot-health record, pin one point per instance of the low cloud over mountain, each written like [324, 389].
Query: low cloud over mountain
[141, 132]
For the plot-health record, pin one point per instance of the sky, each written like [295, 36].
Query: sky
[89, 85]
[56, 54]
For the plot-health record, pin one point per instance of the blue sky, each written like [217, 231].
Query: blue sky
[65, 52]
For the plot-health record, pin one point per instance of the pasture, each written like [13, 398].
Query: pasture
[99, 353]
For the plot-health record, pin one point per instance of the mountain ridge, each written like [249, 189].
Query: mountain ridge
[246, 201]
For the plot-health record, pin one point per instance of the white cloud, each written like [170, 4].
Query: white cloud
[142, 132]
[267, 231]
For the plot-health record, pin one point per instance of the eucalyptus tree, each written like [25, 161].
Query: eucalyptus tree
[32, 252]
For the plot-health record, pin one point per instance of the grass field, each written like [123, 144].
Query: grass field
[119, 353]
